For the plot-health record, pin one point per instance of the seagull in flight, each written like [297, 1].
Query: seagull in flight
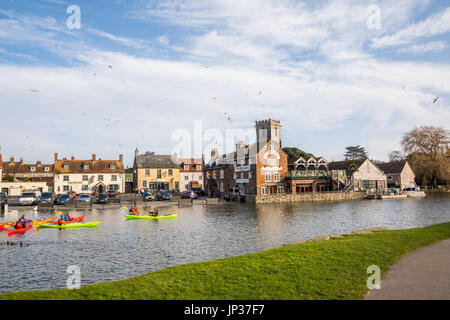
[435, 99]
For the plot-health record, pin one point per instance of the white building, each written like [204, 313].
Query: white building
[89, 176]
[191, 173]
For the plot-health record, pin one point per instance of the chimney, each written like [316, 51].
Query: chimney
[94, 157]
[203, 159]
[39, 162]
[21, 160]
[121, 158]
[11, 159]
[56, 156]
[73, 158]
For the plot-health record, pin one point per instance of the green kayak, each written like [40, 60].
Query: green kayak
[169, 216]
[71, 225]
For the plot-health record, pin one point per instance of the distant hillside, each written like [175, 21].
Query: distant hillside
[294, 152]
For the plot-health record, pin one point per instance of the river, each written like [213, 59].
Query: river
[120, 249]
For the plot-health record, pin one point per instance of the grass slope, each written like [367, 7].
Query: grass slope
[333, 269]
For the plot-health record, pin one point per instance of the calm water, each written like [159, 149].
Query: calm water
[119, 249]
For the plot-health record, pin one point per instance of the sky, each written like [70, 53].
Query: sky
[145, 73]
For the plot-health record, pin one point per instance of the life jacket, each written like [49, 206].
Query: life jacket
[60, 222]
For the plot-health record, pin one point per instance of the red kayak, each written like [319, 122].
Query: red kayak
[78, 219]
[20, 230]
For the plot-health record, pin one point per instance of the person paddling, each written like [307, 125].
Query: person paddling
[155, 213]
[22, 222]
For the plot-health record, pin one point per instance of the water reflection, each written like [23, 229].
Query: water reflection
[119, 249]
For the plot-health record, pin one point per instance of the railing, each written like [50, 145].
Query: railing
[307, 173]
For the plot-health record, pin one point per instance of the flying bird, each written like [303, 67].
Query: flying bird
[435, 99]
[34, 90]
[110, 66]
[260, 93]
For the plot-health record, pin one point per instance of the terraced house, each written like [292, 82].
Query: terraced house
[191, 172]
[19, 176]
[89, 176]
[154, 172]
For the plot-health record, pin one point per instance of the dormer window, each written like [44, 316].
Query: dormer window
[65, 166]
[46, 169]
[112, 166]
[32, 169]
[86, 166]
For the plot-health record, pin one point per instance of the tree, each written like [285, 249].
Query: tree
[355, 152]
[293, 152]
[428, 152]
[396, 156]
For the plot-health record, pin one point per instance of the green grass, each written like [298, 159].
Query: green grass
[333, 269]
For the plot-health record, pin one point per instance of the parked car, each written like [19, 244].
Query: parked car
[28, 198]
[46, 197]
[3, 197]
[102, 198]
[112, 194]
[163, 196]
[63, 199]
[149, 197]
[188, 194]
[214, 194]
[84, 198]
[73, 194]
[199, 191]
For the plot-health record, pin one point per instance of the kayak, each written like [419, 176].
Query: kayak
[78, 219]
[169, 216]
[21, 230]
[71, 225]
[36, 222]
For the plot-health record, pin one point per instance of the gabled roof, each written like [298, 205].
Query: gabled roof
[393, 166]
[150, 160]
[95, 166]
[347, 165]
[17, 167]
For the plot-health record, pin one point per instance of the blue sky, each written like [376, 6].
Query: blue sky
[318, 66]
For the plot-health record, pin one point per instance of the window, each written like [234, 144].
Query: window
[112, 166]
[186, 186]
[144, 183]
[159, 174]
[65, 166]
[114, 177]
[86, 166]
[186, 178]
[100, 177]
[46, 169]
[235, 176]
[249, 174]
[268, 177]
[84, 188]
[170, 172]
[264, 191]
[66, 178]
[85, 178]
[280, 189]
[65, 188]
[242, 175]
[214, 175]
[198, 166]
[221, 174]
[147, 172]
[276, 176]
[221, 187]
[113, 187]
[32, 169]
[186, 167]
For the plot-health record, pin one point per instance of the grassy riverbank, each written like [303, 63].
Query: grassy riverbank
[332, 269]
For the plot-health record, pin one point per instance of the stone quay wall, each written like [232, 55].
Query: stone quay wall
[299, 197]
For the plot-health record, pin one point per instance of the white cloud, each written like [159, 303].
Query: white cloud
[436, 24]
